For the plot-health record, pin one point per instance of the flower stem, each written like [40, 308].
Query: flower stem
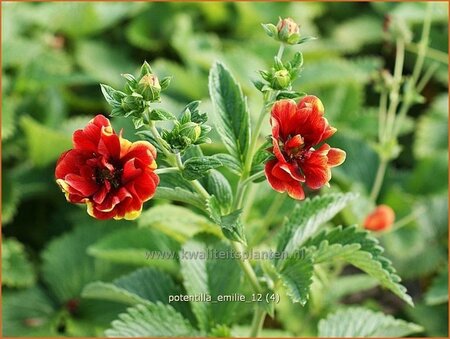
[166, 170]
[432, 53]
[394, 95]
[257, 322]
[378, 180]
[280, 51]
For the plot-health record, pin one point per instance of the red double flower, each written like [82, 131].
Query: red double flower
[296, 130]
[108, 173]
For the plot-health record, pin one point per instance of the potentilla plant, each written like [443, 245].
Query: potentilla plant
[114, 177]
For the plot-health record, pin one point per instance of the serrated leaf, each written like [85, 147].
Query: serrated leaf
[143, 286]
[363, 323]
[154, 320]
[296, 276]
[178, 222]
[308, 217]
[362, 251]
[230, 163]
[66, 267]
[231, 108]
[219, 186]
[232, 227]
[197, 167]
[230, 223]
[179, 194]
[132, 245]
[204, 272]
[27, 312]
[438, 292]
[17, 271]
[161, 114]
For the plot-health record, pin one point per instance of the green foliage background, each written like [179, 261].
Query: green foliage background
[54, 55]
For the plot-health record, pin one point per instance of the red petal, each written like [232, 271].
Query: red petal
[315, 168]
[282, 181]
[130, 171]
[109, 144]
[88, 138]
[335, 157]
[294, 143]
[293, 170]
[142, 150]
[277, 151]
[84, 186]
[283, 119]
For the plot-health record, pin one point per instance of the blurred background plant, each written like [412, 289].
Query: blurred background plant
[54, 55]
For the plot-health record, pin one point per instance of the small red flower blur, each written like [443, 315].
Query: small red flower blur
[296, 130]
[380, 219]
[108, 173]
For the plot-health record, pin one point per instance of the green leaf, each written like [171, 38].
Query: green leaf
[208, 274]
[308, 217]
[230, 163]
[219, 186]
[154, 320]
[348, 285]
[27, 312]
[80, 19]
[66, 267]
[438, 292]
[17, 271]
[178, 222]
[364, 323]
[44, 144]
[9, 116]
[143, 286]
[11, 195]
[132, 246]
[179, 194]
[161, 114]
[296, 276]
[197, 167]
[103, 62]
[230, 224]
[361, 250]
[431, 138]
[231, 108]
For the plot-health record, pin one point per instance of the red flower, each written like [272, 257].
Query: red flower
[108, 173]
[380, 219]
[296, 130]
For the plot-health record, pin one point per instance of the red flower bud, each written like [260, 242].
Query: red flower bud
[288, 31]
[108, 173]
[380, 219]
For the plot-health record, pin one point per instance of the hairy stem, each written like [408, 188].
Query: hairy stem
[378, 180]
[257, 322]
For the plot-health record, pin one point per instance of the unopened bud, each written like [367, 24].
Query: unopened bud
[288, 31]
[149, 87]
[380, 219]
[191, 130]
[283, 78]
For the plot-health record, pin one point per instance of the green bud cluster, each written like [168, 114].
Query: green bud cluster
[189, 129]
[134, 101]
[281, 76]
